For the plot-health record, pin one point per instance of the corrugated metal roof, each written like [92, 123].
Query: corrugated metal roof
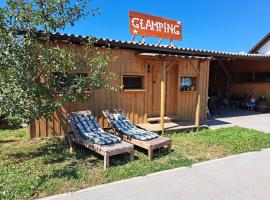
[155, 48]
[172, 56]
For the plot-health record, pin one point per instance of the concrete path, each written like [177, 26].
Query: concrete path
[242, 118]
[246, 176]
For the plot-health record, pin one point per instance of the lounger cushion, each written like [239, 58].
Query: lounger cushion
[124, 126]
[91, 131]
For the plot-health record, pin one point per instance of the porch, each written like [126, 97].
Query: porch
[176, 91]
[227, 117]
[171, 126]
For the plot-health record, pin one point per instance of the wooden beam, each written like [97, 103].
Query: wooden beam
[162, 96]
[227, 73]
[133, 37]
[143, 40]
[159, 42]
[224, 68]
[197, 114]
[194, 67]
[171, 64]
[171, 43]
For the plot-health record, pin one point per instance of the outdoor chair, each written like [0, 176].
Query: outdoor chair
[134, 135]
[87, 132]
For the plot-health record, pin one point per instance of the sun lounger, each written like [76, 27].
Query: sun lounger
[87, 132]
[130, 133]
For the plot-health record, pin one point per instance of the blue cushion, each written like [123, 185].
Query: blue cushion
[124, 126]
[91, 131]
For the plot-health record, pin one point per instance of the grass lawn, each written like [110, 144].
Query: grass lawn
[36, 168]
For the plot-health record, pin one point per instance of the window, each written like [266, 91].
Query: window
[132, 82]
[187, 83]
[243, 77]
[262, 77]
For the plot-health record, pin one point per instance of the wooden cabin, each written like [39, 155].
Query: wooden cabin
[158, 81]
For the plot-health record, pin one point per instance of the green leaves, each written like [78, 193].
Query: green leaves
[48, 15]
[29, 88]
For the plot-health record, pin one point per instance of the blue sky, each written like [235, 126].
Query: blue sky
[227, 25]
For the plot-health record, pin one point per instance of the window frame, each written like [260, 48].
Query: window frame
[260, 72]
[253, 77]
[142, 88]
[243, 73]
[194, 83]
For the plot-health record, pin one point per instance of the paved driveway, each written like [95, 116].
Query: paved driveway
[242, 118]
[245, 176]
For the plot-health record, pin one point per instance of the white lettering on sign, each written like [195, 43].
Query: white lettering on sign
[133, 22]
[148, 25]
[157, 26]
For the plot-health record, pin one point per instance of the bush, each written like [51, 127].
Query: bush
[11, 122]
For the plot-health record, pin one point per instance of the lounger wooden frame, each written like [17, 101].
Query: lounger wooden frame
[104, 150]
[149, 145]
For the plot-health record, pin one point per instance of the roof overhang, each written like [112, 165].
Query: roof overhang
[150, 48]
[172, 56]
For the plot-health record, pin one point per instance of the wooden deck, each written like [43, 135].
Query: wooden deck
[170, 126]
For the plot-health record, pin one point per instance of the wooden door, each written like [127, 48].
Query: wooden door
[153, 97]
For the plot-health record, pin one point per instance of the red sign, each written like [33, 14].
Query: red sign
[148, 25]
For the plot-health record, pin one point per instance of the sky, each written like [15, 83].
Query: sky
[224, 25]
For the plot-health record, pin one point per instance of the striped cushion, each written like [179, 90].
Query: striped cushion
[124, 126]
[91, 131]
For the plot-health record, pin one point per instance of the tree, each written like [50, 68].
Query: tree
[33, 71]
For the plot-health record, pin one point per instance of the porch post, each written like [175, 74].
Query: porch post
[162, 96]
[197, 115]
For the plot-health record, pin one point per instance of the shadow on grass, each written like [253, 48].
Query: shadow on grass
[68, 172]
[56, 151]
[124, 159]
[121, 159]
[157, 152]
[4, 141]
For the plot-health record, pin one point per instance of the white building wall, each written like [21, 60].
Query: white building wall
[265, 49]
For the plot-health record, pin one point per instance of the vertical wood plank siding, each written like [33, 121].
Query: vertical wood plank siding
[186, 101]
[136, 104]
[257, 89]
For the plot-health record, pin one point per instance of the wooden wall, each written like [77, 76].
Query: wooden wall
[136, 103]
[257, 89]
[172, 89]
[132, 102]
[186, 102]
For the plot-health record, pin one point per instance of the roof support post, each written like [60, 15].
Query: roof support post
[198, 103]
[162, 96]
[197, 114]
